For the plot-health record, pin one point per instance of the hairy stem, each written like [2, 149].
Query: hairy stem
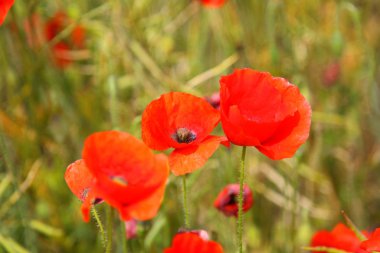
[99, 225]
[109, 217]
[185, 207]
[239, 232]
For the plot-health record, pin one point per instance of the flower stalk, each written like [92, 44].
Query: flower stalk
[185, 206]
[109, 217]
[239, 232]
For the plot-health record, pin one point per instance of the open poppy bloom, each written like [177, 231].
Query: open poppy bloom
[80, 180]
[373, 242]
[264, 111]
[227, 200]
[193, 242]
[5, 5]
[74, 41]
[341, 237]
[183, 122]
[127, 175]
[213, 3]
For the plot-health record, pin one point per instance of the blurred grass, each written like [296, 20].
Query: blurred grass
[149, 47]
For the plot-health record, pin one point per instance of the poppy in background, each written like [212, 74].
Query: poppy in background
[227, 200]
[131, 229]
[127, 175]
[193, 242]
[214, 100]
[5, 5]
[183, 122]
[331, 74]
[80, 180]
[62, 50]
[373, 242]
[264, 111]
[213, 3]
[341, 237]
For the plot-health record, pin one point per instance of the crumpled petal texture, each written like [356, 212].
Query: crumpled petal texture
[264, 111]
[128, 175]
[5, 5]
[192, 243]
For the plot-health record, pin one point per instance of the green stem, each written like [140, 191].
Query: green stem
[239, 232]
[124, 238]
[109, 217]
[185, 207]
[100, 225]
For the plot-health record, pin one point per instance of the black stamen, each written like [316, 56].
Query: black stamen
[184, 135]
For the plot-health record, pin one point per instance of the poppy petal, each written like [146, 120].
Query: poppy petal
[190, 242]
[264, 111]
[213, 3]
[145, 209]
[126, 170]
[187, 160]
[373, 243]
[5, 5]
[227, 199]
[79, 179]
[174, 111]
[295, 131]
[341, 237]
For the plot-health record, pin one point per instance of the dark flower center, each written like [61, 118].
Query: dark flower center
[184, 135]
[232, 199]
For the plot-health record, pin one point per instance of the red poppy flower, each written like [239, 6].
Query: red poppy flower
[214, 100]
[128, 176]
[331, 74]
[341, 237]
[264, 111]
[75, 40]
[213, 3]
[131, 229]
[183, 122]
[227, 200]
[373, 242]
[80, 180]
[5, 5]
[193, 242]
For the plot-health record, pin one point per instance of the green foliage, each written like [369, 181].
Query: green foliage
[137, 50]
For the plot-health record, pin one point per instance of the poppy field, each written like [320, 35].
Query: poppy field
[193, 126]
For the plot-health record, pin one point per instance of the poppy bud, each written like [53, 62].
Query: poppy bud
[227, 200]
